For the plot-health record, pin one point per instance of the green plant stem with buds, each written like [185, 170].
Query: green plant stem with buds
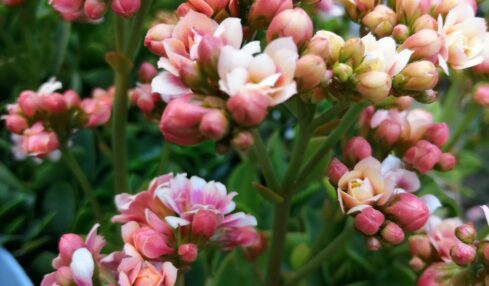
[83, 181]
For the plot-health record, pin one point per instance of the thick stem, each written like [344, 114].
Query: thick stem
[316, 261]
[180, 279]
[83, 181]
[469, 116]
[119, 122]
[165, 155]
[264, 162]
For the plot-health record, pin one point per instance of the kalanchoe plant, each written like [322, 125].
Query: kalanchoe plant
[297, 114]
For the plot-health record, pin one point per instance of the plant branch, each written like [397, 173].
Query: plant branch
[462, 127]
[265, 162]
[136, 32]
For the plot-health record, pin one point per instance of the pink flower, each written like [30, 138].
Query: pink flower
[423, 156]
[126, 8]
[144, 98]
[442, 235]
[481, 95]
[98, 108]
[409, 211]
[293, 23]
[262, 11]
[39, 142]
[15, 123]
[188, 252]
[149, 242]
[369, 220]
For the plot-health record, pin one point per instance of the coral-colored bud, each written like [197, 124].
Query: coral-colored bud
[416, 263]
[327, 45]
[466, 233]
[204, 223]
[369, 221]
[293, 23]
[146, 72]
[150, 243]
[155, 37]
[209, 50]
[437, 133]
[249, 108]
[409, 211]
[374, 85]
[309, 72]
[214, 125]
[417, 76]
[262, 11]
[423, 156]
[15, 123]
[29, 102]
[54, 103]
[447, 162]
[373, 244]
[462, 254]
[66, 6]
[356, 149]
[425, 22]
[420, 246]
[126, 8]
[72, 99]
[68, 243]
[94, 9]
[342, 71]
[400, 33]
[426, 44]
[243, 141]
[392, 233]
[336, 170]
[481, 95]
[188, 252]
[381, 20]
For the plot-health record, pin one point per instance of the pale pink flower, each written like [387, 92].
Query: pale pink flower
[294, 23]
[442, 235]
[144, 98]
[39, 142]
[98, 108]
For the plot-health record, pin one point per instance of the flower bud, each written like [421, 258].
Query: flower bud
[38, 142]
[150, 243]
[342, 71]
[72, 99]
[29, 102]
[94, 9]
[447, 162]
[481, 95]
[204, 223]
[262, 11]
[368, 221]
[417, 76]
[374, 85]
[207, 7]
[190, 75]
[426, 44]
[352, 52]
[209, 51]
[462, 254]
[423, 156]
[409, 211]
[66, 6]
[188, 252]
[54, 103]
[392, 233]
[437, 133]
[400, 33]
[425, 22]
[68, 243]
[427, 96]
[381, 20]
[214, 125]
[126, 8]
[309, 72]
[416, 263]
[388, 132]
[252, 252]
[466, 233]
[146, 72]
[420, 246]
[327, 45]
[248, 107]
[293, 23]
[373, 244]
[143, 98]
[356, 149]
[15, 123]
[242, 141]
[336, 170]
[155, 36]
[404, 102]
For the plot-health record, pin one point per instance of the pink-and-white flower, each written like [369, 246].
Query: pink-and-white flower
[441, 233]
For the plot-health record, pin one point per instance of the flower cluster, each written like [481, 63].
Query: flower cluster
[143, 97]
[93, 10]
[46, 119]
[411, 134]
[163, 229]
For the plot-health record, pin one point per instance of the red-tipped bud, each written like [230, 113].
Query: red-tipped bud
[293, 23]
[146, 72]
[310, 71]
[243, 141]
[466, 233]
[420, 246]
[94, 9]
[357, 149]
[249, 108]
[214, 125]
[400, 33]
[204, 223]
[68, 243]
[38, 142]
[447, 162]
[437, 134]
[15, 123]
[126, 8]
[262, 11]
[409, 211]
[336, 170]
[423, 156]
[369, 221]
[373, 244]
[392, 233]
[481, 95]
[462, 254]
[188, 252]
[155, 37]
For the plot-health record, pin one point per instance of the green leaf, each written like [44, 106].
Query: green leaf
[235, 268]
[240, 181]
[8, 178]
[60, 199]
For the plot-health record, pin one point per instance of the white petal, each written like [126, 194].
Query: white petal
[443, 64]
[485, 209]
[358, 208]
[236, 79]
[176, 222]
[276, 45]
[432, 202]
[164, 63]
[168, 86]
[231, 31]
[270, 80]
[252, 48]
[402, 61]
[50, 86]
[82, 267]
[390, 163]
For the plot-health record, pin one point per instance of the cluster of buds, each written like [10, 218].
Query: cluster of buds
[149, 102]
[216, 9]
[448, 251]
[46, 119]
[94, 10]
[410, 133]
[163, 230]
[379, 195]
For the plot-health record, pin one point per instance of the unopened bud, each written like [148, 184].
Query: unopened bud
[373, 244]
[381, 20]
[155, 36]
[426, 44]
[425, 22]
[352, 52]
[204, 223]
[481, 95]
[327, 45]
[309, 72]
[336, 170]
[417, 76]
[462, 254]
[54, 103]
[368, 221]
[342, 71]
[427, 96]
[374, 85]
[392, 233]
[188, 252]
[422, 156]
[72, 99]
[466, 233]
[262, 11]
[356, 149]
[243, 141]
[388, 132]
[420, 246]
[446, 162]
[400, 33]
[146, 72]
[126, 8]
[214, 125]
[94, 9]
[15, 123]
[209, 50]
[293, 23]
[416, 263]
[437, 133]
[409, 211]
[248, 108]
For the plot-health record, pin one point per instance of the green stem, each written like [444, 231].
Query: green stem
[165, 155]
[180, 279]
[265, 162]
[316, 261]
[347, 122]
[462, 127]
[120, 32]
[119, 132]
[83, 181]
[328, 115]
[135, 36]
